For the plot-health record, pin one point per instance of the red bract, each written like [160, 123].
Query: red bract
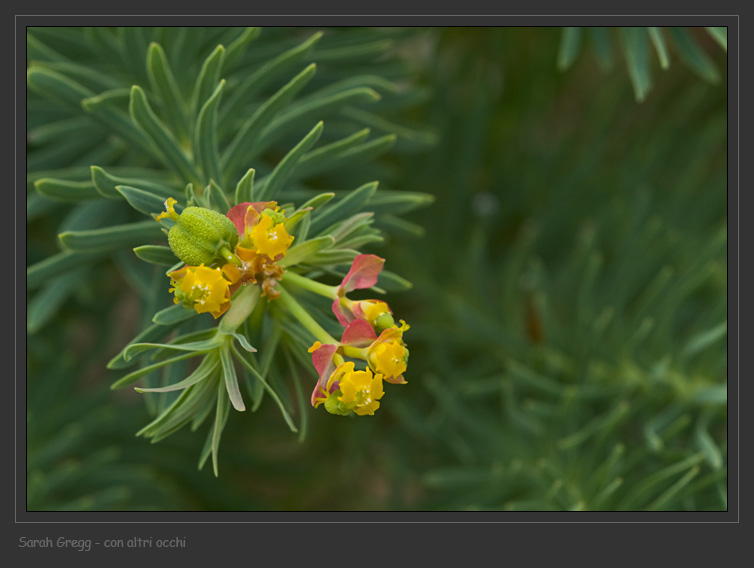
[246, 215]
[364, 273]
[358, 333]
[322, 358]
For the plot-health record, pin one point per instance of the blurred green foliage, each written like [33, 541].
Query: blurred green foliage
[569, 308]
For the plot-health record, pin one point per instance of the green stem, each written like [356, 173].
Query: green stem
[354, 352]
[241, 306]
[230, 257]
[298, 311]
[311, 285]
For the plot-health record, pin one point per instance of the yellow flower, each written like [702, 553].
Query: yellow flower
[351, 390]
[389, 358]
[388, 355]
[201, 288]
[362, 389]
[270, 239]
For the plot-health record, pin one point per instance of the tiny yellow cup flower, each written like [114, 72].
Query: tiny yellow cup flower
[202, 288]
[388, 355]
[348, 390]
[389, 358]
[362, 389]
[270, 238]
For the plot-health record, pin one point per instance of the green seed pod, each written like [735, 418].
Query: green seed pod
[337, 407]
[383, 321]
[202, 236]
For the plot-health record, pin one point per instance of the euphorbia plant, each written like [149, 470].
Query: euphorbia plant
[242, 242]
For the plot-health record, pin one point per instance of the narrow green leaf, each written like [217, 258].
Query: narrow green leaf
[318, 200]
[231, 379]
[57, 264]
[705, 339]
[358, 50]
[694, 55]
[163, 140]
[399, 202]
[639, 491]
[259, 79]
[336, 154]
[300, 396]
[245, 188]
[712, 395]
[106, 184]
[273, 183]
[156, 254]
[151, 333]
[192, 401]
[350, 204]
[136, 375]
[66, 191]
[209, 77]
[111, 238]
[215, 196]
[527, 376]
[57, 87]
[406, 135]
[270, 391]
[204, 370]
[244, 342]
[707, 445]
[673, 490]
[351, 226]
[102, 41]
[311, 161]
[391, 282]
[300, 252]
[194, 346]
[62, 131]
[602, 45]
[594, 426]
[314, 108]
[221, 417]
[45, 303]
[237, 47]
[173, 314]
[720, 35]
[144, 202]
[655, 34]
[570, 43]
[105, 108]
[634, 42]
[163, 83]
[244, 142]
[135, 47]
[206, 151]
[37, 50]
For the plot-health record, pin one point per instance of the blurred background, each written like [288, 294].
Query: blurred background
[568, 311]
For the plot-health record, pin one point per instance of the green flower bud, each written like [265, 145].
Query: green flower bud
[203, 236]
